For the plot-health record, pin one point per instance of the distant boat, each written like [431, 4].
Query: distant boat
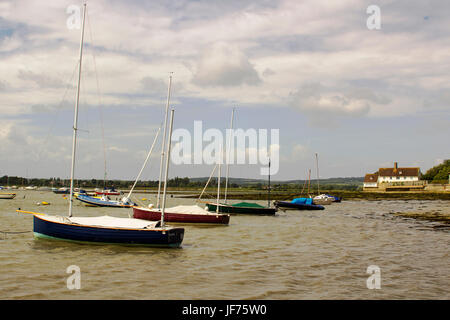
[298, 204]
[108, 192]
[238, 208]
[335, 199]
[182, 214]
[241, 208]
[103, 229]
[323, 199]
[62, 190]
[4, 195]
[104, 201]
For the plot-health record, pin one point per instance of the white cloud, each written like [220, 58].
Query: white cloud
[224, 64]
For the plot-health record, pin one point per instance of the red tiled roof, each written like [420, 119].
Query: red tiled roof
[371, 177]
[398, 172]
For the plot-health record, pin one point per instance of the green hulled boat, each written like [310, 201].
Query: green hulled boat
[241, 208]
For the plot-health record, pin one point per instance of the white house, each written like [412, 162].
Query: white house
[391, 175]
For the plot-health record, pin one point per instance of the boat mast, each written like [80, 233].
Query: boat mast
[268, 189]
[218, 179]
[309, 180]
[167, 168]
[230, 136]
[317, 164]
[75, 120]
[164, 141]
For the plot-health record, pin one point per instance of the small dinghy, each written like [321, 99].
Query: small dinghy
[105, 201]
[298, 204]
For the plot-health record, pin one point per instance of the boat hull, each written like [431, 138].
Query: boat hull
[108, 193]
[154, 215]
[7, 195]
[240, 210]
[322, 202]
[61, 191]
[297, 206]
[78, 233]
[101, 203]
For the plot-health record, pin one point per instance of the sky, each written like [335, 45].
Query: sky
[359, 97]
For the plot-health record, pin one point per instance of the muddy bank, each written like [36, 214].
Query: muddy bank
[441, 217]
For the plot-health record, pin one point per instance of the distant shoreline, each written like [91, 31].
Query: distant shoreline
[211, 193]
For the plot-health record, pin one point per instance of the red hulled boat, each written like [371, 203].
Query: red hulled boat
[107, 192]
[182, 214]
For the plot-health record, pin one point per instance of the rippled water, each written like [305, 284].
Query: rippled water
[293, 255]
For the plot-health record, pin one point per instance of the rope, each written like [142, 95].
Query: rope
[206, 185]
[99, 102]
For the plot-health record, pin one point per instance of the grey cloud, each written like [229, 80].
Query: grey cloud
[152, 85]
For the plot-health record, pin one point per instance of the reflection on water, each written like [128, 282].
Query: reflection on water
[293, 255]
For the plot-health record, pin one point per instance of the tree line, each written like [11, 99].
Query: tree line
[439, 173]
[176, 182]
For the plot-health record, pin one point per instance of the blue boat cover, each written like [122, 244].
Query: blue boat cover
[303, 201]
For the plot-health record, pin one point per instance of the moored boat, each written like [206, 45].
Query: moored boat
[105, 201]
[108, 192]
[106, 230]
[335, 198]
[323, 199]
[5, 195]
[62, 190]
[182, 214]
[298, 204]
[241, 208]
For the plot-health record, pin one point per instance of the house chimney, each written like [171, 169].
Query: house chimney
[395, 165]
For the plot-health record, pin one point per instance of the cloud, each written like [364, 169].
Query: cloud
[152, 85]
[41, 80]
[320, 102]
[225, 65]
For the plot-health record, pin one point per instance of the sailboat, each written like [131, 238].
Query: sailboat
[321, 199]
[7, 195]
[103, 229]
[179, 214]
[241, 207]
[301, 203]
[104, 201]
[107, 192]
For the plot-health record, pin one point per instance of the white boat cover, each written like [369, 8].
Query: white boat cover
[104, 221]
